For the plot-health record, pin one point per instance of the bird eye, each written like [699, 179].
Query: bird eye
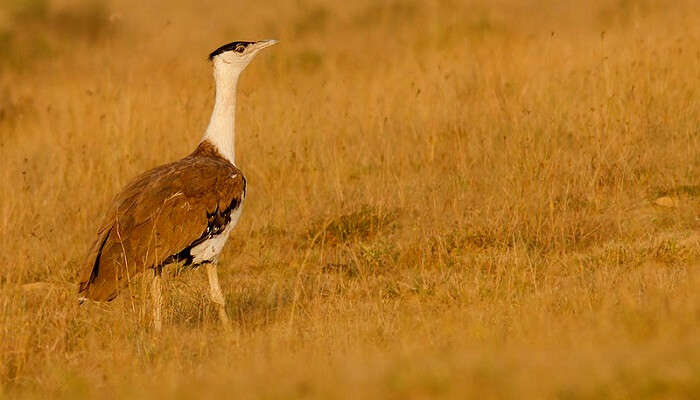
[239, 49]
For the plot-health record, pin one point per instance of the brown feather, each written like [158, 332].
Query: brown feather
[157, 216]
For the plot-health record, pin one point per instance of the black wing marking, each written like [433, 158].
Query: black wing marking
[217, 223]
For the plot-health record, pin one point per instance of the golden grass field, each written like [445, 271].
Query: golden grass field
[478, 199]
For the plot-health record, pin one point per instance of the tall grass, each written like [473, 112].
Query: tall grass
[446, 199]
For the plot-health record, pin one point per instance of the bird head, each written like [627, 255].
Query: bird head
[237, 55]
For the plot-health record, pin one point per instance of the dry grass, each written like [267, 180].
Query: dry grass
[479, 177]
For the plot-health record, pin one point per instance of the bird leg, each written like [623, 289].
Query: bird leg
[157, 295]
[216, 295]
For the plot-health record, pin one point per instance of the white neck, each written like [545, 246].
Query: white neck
[221, 131]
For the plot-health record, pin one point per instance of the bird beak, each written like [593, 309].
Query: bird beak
[265, 43]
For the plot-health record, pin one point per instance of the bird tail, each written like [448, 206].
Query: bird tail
[96, 283]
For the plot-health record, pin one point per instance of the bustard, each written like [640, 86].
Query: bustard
[178, 212]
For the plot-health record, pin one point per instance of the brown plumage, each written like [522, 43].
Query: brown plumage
[159, 217]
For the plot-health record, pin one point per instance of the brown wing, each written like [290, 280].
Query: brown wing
[156, 217]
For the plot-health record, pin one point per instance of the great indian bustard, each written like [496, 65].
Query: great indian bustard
[178, 212]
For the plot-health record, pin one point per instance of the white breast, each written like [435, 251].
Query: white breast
[209, 249]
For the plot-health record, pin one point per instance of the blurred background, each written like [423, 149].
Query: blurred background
[489, 199]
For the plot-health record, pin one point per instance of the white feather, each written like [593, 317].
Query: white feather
[209, 249]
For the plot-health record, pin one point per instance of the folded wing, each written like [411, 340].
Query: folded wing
[157, 217]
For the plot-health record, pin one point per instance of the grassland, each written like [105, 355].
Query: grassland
[480, 199]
